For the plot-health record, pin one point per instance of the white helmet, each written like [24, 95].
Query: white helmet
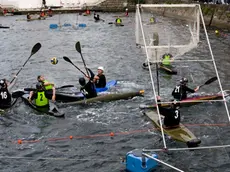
[100, 68]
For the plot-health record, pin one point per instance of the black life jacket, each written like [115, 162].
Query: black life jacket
[5, 97]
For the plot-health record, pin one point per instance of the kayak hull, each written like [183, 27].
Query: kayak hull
[167, 69]
[179, 133]
[190, 101]
[51, 110]
[109, 97]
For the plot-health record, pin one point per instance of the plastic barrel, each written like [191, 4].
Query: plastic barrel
[53, 26]
[82, 25]
[67, 24]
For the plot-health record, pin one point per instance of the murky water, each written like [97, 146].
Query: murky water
[115, 49]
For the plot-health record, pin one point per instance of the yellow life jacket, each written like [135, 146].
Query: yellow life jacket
[118, 21]
[166, 60]
[152, 20]
[47, 87]
[41, 99]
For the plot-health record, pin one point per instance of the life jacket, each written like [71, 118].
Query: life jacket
[118, 21]
[166, 60]
[177, 92]
[152, 20]
[41, 99]
[47, 87]
[5, 97]
[42, 14]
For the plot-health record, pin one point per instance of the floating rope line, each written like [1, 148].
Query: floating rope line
[112, 134]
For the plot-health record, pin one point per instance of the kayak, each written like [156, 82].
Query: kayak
[108, 86]
[4, 108]
[77, 96]
[193, 100]
[32, 19]
[167, 69]
[109, 97]
[118, 24]
[50, 110]
[4, 27]
[179, 133]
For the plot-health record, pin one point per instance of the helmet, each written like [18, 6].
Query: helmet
[184, 81]
[82, 81]
[100, 68]
[2, 83]
[39, 86]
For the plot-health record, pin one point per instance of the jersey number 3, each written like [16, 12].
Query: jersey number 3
[176, 114]
[4, 95]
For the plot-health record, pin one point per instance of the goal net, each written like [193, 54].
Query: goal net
[164, 28]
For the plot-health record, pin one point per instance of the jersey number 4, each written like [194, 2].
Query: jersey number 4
[4, 95]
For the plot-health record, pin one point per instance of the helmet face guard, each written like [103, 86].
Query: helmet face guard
[2, 83]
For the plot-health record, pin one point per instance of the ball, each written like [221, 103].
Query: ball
[54, 60]
[216, 31]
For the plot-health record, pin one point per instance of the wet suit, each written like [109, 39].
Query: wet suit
[101, 82]
[89, 90]
[96, 17]
[171, 115]
[180, 92]
[5, 98]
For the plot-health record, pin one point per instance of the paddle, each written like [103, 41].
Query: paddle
[35, 49]
[17, 94]
[65, 86]
[209, 81]
[78, 48]
[68, 60]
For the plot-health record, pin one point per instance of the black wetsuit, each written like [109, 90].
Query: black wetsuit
[101, 82]
[180, 92]
[5, 98]
[172, 116]
[89, 89]
[96, 17]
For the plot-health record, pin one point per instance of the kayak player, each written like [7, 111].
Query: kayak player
[28, 16]
[126, 12]
[39, 96]
[87, 12]
[152, 20]
[50, 12]
[99, 79]
[47, 85]
[42, 15]
[166, 59]
[118, 20]
[5, 96]
[180, 91]
[88, 89]
[171, 115]
[96, 17]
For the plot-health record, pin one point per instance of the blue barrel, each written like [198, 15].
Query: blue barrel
[53, 26]
[82, 25]
[67, 24]
[136, 162]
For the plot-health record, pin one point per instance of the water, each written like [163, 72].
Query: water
[92, 149]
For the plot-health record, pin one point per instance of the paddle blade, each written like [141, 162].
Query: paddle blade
[29, 89]
[78, 47]
[17, 94]
[36, 48]
[65, 86]
[210, 80]
[67, 59]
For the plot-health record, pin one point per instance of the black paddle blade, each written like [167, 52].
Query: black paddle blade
[29, 89]
[210, 80]
[36, 48]
[78, 47]
[110, 23]
[17, 94]
[65, 86]
[67, 59]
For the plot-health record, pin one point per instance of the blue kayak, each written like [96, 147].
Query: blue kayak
[108, 86]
